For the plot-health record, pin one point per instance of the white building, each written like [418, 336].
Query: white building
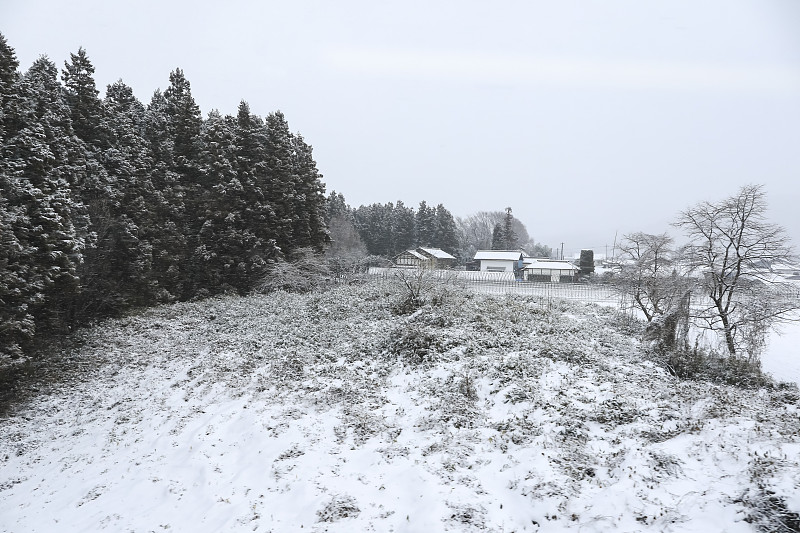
[786, 270]
[552, 271]
[501, 260]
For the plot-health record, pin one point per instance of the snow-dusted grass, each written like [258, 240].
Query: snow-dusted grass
[326, 412]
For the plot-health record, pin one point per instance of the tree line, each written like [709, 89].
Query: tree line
[107, 203]
[391, 228]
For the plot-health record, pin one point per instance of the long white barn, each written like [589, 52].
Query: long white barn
[526, 267]
[500, 260]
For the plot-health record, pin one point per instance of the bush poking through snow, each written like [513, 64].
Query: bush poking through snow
[699, 364]
[768, 512]
[340, 506]
[303, 272]
[414, 343]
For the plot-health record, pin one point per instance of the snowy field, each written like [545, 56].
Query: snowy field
[331, 413]
[782, 357]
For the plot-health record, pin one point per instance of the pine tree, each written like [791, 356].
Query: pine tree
[129, 164]
[257, 212]
[426, 225]
[498, 238]
[184, 123]
[280, 183]
[308, 227]
[82, 99]
[170, 249]
[509, 235]
[404, 228]
[106, 286]
[336, 206]
[223, 240]
[373, 223]
[42, 160]
[446, 237]
[8, 78]
[17, 324]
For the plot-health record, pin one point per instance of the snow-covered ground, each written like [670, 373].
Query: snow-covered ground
[328, 412]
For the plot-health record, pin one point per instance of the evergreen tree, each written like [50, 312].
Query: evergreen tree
[366, 222]
[106, 284]
[17, 324]
[498, 238]
[8, 78]
[404, 228]
[280, 181]
[308, 227]
[223, 240]
[42, 162]
[170, 249]
[129, 164]
[509, 235]
[252, 172]
[425, 224]
[336, 206]
[445, 236]
[82, 98]
[183, 122]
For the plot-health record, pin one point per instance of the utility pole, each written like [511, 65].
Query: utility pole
[614, 250]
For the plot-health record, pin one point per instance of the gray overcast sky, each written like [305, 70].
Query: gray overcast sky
[587, 118]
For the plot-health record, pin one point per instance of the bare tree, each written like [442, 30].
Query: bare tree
[475, 233]
[732, 247]
[649, 275]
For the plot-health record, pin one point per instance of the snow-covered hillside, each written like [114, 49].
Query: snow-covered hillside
[327, 412]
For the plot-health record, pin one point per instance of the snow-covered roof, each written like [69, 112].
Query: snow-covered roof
[415, 254]
[499, 255]
[784, 267]
[436, 252]
[551, 265]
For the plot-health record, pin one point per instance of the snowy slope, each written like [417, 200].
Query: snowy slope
[329, 413]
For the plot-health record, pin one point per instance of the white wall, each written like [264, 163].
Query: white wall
[507, 266]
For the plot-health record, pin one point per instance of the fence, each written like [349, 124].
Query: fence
[504, 283]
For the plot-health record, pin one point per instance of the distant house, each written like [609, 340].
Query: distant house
[438, 258]
[501, 260]
[786, 270]
[409, 258]
[551, 271]
[424, 257]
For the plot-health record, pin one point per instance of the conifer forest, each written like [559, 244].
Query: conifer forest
[108, 203]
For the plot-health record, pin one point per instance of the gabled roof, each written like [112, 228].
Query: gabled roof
[499, 255]
[776, 267]
[436, 252]
[414, 253]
